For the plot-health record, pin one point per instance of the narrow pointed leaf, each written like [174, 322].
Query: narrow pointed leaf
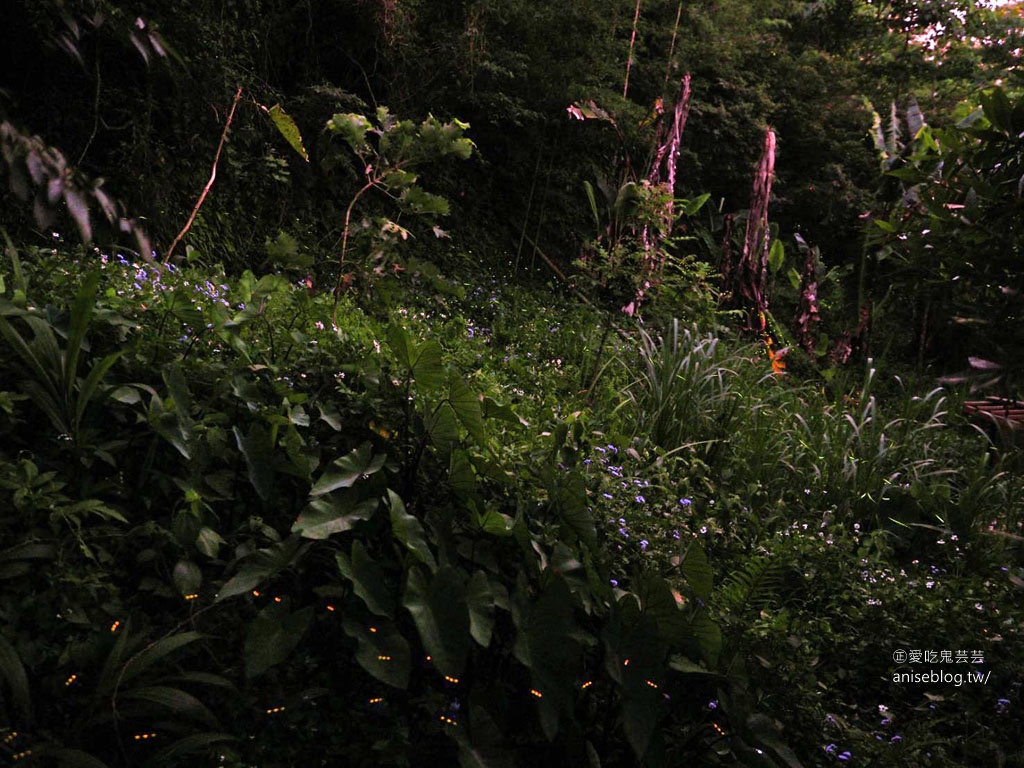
[287, 127]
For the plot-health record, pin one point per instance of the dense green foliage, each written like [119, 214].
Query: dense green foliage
[427, 434]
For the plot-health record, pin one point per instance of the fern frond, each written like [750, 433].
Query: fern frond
[753, 586]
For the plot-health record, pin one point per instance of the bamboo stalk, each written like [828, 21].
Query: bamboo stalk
[632, 43]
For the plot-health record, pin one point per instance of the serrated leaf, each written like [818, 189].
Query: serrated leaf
[287, 127]
[344, 472]
[272, 637]
[368, 579]
[323, 517]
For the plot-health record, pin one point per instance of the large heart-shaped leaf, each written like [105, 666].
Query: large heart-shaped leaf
[272, 636]
[439, 609]
[409, 531]
[323, 517]
[344, 472]
[367, 579]
[382, 651]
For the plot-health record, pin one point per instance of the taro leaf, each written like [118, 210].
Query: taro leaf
[657, 602]
[682, 664]
[187, 577]
[344, 472]
[461, 475]
[147, 657]
[496, 523]
[493, 410]
[367, 579]
[258, 449]
[263, 564]
[382, 651]
[766, 732]
[401, 345]
[329, 414]
[639, 720]
[272, 636]
[427, 367]
[173, 699]
[12, 671]
[481, 608]
[697, 571]
[284, 123]
[443, 427]
[424, 362]
[546, 648]
[441, 615]
[409, 531]
[466, 406]
[708, 635]
[323, 517]
[486, 749]
[570, 499]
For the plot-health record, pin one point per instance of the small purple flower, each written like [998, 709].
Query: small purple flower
[624, 533]
[643, 545]
[896, 739]
[831, 749]
[685, 502]
[712, 705]
[1002, 706]
[613, 582]
[640, 499]
[675, 534]
[607, 495]
[844, 756]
